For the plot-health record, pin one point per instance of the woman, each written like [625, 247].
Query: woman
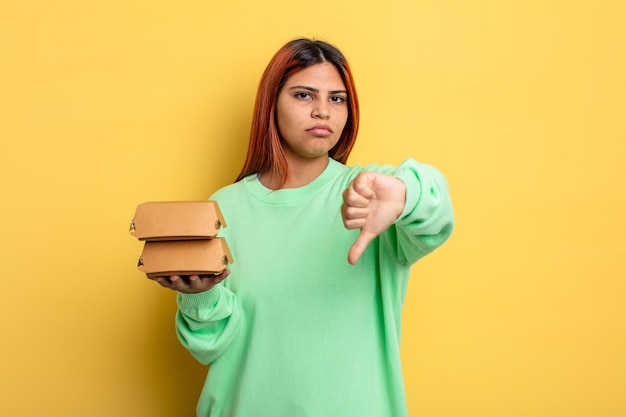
[308, 321]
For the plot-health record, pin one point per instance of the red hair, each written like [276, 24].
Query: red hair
[265, 152]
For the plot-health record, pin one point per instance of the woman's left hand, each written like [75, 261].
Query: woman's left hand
[372, 202]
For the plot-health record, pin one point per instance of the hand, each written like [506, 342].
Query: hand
[191, 284]
[372, 202]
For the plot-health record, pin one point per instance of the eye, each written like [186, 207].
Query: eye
[338, 99]
[303, 96]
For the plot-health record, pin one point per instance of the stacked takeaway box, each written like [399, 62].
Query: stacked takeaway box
[180, 238]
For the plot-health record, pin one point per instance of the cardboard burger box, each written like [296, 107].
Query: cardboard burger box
[177, 220]
[185, 257]
[180, 238]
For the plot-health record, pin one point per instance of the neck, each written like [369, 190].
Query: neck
[299, 174]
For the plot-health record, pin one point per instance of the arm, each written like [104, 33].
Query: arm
[408, 206]
[427, 220]
[208, 314]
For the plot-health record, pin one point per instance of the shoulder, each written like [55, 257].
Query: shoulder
[352, 171]
[228, 192]
[408, 165]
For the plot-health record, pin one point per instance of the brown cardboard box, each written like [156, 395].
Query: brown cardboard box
[185, 257]
[177, 220]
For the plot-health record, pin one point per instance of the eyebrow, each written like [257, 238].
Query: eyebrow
[315, 90]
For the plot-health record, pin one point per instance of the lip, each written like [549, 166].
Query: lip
[320, 130]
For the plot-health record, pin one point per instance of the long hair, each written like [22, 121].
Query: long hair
[265, 152]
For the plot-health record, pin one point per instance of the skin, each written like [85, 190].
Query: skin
[372, 202]
[311, 114]
[193, 283]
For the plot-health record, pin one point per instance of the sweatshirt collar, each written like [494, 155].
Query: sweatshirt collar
[292, 195]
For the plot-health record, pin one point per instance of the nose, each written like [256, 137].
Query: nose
[321, 111]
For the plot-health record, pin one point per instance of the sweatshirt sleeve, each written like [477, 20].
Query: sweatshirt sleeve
[207, 322]
[427, 219]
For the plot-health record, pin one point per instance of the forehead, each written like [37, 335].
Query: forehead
[324, 77]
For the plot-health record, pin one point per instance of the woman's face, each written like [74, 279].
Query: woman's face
[311, 111]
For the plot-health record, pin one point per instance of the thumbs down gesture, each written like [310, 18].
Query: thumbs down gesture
[372, 202]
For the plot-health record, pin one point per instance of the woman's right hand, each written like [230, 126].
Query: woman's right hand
[191, 284]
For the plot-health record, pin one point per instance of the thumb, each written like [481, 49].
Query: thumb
[359, 246]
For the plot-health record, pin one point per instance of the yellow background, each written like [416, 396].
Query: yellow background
[521, 104]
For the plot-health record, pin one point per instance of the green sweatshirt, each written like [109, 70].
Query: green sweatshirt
[295, 330]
